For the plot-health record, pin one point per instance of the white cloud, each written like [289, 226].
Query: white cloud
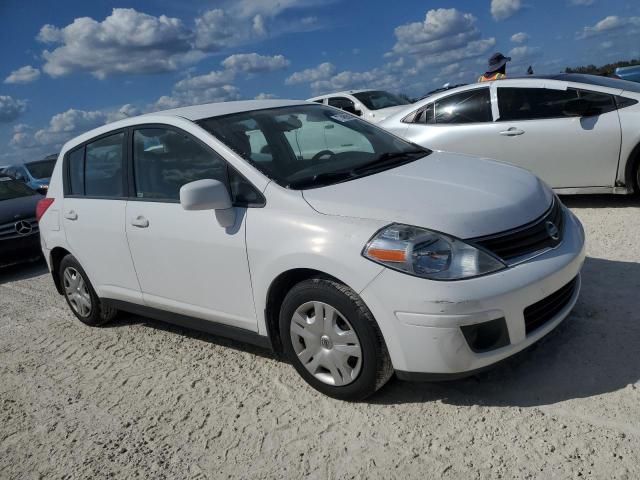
[11, 108]
[126, 41]
[265, 96]
[503, 9]
[254, 63]
[216, 78]
[471, 50]
[581, 3]
[520, 37]
[216, 30]
[321, 72]
[610, 25]
[524, 53]
[26, 74]
[606, 44]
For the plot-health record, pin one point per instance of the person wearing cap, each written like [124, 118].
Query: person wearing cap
[497, 68]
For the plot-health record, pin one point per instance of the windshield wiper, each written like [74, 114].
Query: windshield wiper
[391, 158]
[322, 179]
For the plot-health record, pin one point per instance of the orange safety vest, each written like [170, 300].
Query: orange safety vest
[491, 78]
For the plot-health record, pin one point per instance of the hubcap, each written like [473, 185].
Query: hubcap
[75, 288]
[326, 343]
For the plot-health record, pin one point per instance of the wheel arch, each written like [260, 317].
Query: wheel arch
[632, 165]
[56, 256]
[276, 292]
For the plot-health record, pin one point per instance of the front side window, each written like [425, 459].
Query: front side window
[165, 159]
[343, 103]
[103, 167]
[306, 146]
[375, 100]
[471, 106]
[41, 169]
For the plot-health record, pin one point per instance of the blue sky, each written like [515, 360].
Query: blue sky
[69, 66]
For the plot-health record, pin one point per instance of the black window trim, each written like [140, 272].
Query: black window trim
[128, 173]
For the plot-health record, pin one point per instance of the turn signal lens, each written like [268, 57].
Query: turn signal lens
[388, 255]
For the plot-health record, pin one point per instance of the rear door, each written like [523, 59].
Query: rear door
[186, 262]
[93, 215]
[539, 132]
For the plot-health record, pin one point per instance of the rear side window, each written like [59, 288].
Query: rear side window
[76, 172]
[165, 159]
[425, 115]
[472, 106]
[342, 103]
[103, 167]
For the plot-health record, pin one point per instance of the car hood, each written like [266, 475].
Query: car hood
[461, 195]
[15, 209]
[379, 115]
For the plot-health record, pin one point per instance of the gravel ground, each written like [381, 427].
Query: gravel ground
[140, 399]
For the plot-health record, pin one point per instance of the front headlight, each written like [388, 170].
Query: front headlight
[423, 253]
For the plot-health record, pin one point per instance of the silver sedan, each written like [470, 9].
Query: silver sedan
[579, 133]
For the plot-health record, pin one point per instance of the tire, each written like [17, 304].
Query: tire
[345, 357]
[80, 295]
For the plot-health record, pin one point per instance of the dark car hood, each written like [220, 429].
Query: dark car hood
[18, 208]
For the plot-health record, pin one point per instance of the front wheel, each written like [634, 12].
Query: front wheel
[80, 295]
[333, 341]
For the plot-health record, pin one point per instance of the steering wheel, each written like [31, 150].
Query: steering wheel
[323, 155]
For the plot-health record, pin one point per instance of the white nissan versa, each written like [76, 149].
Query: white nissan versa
[354, 259]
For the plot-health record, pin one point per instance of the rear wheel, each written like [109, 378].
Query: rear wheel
[333, 341]
[80, 295]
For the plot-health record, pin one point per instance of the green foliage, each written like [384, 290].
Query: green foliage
[605, 70]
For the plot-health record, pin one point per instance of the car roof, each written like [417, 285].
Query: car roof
[347, 92]
[208, 110]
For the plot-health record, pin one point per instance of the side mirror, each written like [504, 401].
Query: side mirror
[579, 107]
[209, 194]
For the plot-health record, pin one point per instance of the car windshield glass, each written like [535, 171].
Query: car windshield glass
[379, 99]
[13, 189]
[307, 146]
[41, 169]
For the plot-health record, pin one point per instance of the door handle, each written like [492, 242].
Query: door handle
[511, 132]
[71, 215]
[140, 222]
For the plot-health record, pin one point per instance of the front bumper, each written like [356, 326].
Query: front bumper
[19, 249]
[422, 320]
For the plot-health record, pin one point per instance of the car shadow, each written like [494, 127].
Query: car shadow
[23, 271]
[593, 352]
[125, 319]
[601, 201]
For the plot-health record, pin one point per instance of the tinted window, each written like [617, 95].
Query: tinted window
[164, 160]
[41, 169]
[425, 115]
[75, 161]
[472, 106]
[380, 99]
[600, 81]
[242, 192]
[599, 102]
[342, 103]
[103, 167]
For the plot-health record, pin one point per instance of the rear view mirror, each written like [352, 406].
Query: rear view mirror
[209, 194]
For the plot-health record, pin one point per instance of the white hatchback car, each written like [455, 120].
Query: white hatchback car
[354, 263]
[372, 105]
[579, 133]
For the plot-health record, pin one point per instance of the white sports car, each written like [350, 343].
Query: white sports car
[579, 133]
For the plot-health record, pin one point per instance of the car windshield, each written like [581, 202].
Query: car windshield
[10, 188]
[307, 146]
[375, 100]
[41, 169]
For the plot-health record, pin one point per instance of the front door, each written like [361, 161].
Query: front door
[186, 262]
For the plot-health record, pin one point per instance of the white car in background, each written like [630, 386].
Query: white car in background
[373, 257]
[372, 105]
[579, 133]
